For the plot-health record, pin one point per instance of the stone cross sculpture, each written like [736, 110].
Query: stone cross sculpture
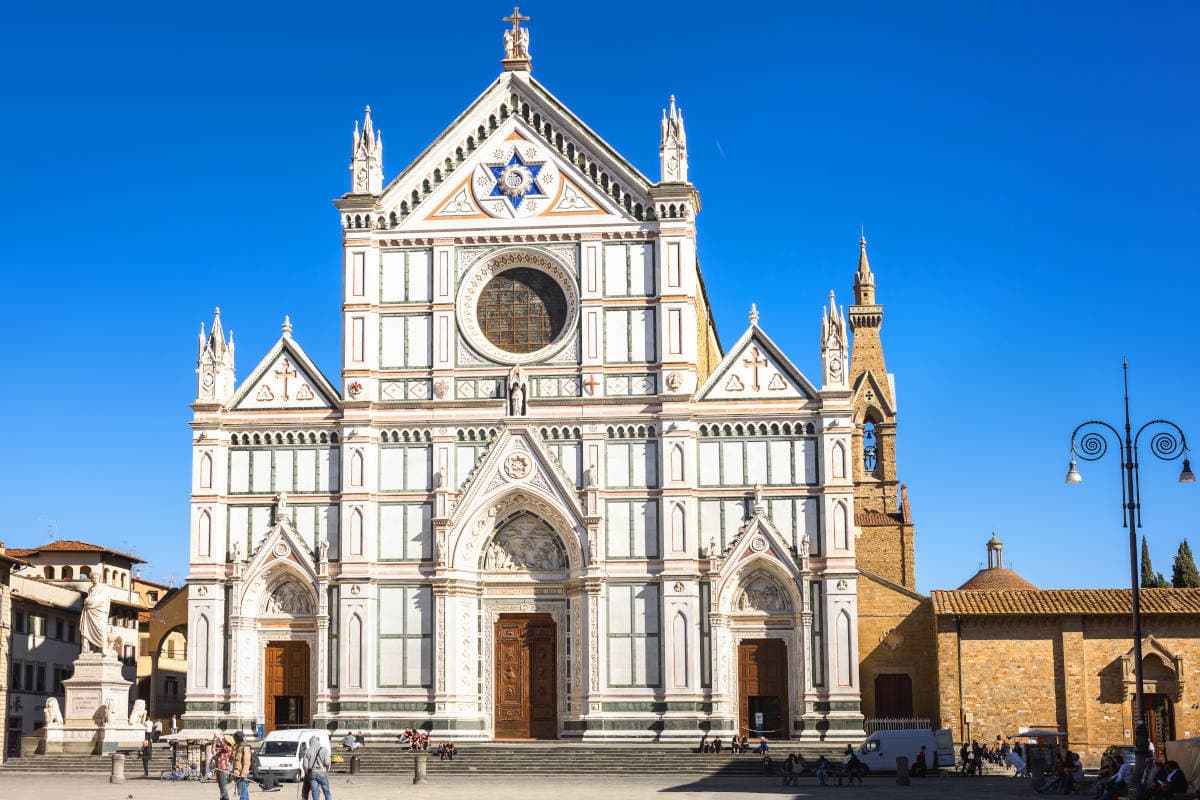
[93, 620]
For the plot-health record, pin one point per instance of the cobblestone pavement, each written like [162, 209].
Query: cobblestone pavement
[96, 787]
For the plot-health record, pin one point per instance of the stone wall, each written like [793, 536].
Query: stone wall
[886, 550]
[1058, 670]
[895, 635]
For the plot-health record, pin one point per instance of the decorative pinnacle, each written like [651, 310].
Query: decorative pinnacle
[753, 313]
[287, 325]
[217, 312]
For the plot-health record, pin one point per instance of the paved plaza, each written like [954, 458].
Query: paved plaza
[96, 787]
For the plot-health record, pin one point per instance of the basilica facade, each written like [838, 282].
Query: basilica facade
[541, 499]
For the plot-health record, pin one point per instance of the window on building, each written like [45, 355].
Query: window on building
[16, 676]
[870, 448]
[48, 572]
[29, 672]
[41, 678]
[633, 635]
[68, 574]
[405, 636]
[171, 686]
[20, 622]
[60, 628]
[85, 572]
[522, 310]
[72, 633]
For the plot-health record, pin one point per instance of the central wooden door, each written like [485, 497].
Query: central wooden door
[762, 688]
[1160, 721]
[285, 686]
[526, 677]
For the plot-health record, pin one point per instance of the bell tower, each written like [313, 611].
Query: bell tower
[880, 501]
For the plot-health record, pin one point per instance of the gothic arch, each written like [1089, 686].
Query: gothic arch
[201, 652]
[757, 568]
[356, 532]
[678, 528]
[355, 659]
[287, 596]
[679, 650]
[465, 542]
[843, 649]
[206, 465]
[523, 542]
[841, 526]
[204, 534]
[677, 462]
[838, 457]
[356, 468]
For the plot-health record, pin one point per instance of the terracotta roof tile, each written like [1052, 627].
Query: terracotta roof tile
[873, 518]
[1033, 602]
[996, 578]
[72, 546]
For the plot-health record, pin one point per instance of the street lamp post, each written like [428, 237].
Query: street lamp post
[1167, 444]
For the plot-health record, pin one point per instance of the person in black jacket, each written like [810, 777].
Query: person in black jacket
[1170, 781]
[144, 752]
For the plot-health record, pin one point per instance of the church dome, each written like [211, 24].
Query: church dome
[993, 578]
[996, 575]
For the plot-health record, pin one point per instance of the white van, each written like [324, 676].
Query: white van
[880, 750]
[282, 752]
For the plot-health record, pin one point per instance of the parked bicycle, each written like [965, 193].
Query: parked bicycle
[187, 772]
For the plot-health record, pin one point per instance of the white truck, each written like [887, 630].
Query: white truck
[282, 752]
[879, 751]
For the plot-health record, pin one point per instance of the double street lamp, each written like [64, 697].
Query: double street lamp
[1167, 443]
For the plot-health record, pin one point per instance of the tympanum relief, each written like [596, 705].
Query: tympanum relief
[525, 544]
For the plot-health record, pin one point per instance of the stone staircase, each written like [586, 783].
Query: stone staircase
[492, 758]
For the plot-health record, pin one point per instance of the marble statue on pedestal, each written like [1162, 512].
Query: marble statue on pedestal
[93, 621]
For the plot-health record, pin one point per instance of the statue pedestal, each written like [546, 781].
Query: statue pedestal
[96, 714]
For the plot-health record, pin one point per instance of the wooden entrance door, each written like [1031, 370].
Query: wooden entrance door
[1160, 720]
[893, 695]
[763, 688]
[285, 685]
[526, 677]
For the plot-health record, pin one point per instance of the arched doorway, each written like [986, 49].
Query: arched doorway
[525, 557]
[287, 613]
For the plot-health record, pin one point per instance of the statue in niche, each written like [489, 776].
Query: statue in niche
[323, 549]
[805, 546]
[763, 594]
[281, 507]
[290, 600]
[518, 389]
[526, 543]
[235, 552]
[52, 714]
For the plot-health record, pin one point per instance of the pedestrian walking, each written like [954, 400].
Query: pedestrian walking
[316, 764]
[174, 724]
[145, 751]
[241, 765]
[222, 756]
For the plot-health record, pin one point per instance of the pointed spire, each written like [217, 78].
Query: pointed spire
[366, 161]
[864, 279]
[287, 326]
[753, 313]
[672, 146]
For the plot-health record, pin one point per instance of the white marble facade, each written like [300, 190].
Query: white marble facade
[605, 465]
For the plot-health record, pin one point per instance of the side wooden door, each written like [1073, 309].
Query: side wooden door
[526, 677]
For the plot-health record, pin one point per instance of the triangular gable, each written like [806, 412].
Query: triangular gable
[436, 181]
[281, 547]
[516, 176]
[755, 368]
[285, 379]
[759, 543]
[518, 460]
[869, 392]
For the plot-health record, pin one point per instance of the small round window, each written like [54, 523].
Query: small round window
[521, 310]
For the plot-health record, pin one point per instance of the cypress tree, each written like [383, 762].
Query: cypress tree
[1183, 571]
[1148, 580]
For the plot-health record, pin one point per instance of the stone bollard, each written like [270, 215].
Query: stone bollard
[420, 763]
[118, 769]
[902, 778]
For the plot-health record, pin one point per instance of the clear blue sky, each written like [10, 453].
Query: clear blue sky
[1026, 172]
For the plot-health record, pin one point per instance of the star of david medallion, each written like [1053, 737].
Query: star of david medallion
[507, 185]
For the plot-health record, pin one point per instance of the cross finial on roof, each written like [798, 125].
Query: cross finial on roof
[516, 42]
[753, 313]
